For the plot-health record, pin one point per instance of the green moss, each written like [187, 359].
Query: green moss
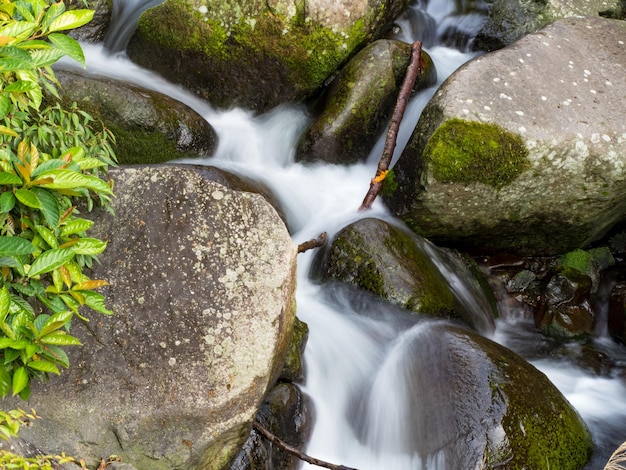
[142, 147]
[389, 185]
[466, 152]
[587, 262]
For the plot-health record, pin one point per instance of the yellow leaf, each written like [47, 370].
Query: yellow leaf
[380, 177]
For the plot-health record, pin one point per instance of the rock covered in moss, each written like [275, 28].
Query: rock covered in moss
[256, 53]
[149, 127]
[523, 149]
[202, 285]
[475, 404]
[509, 20]
[357, 105]
[396, 266]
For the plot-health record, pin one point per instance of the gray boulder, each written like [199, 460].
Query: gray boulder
[523, 149]
[202, 281]
[359, 102]
[256, 53]
[509, 20]
[149, 127]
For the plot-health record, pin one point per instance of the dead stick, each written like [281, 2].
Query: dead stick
[413, 70]
[292, 450]
[315, 243]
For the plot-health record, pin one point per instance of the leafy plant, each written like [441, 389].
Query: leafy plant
[50, 160]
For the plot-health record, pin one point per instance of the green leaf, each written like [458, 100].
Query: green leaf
[60, 338]
[25, 393]
[48, 236]
[7, 201]
[47, 166]
[44, 366]
[28, 198]
[43, 57]
[70, 179]
[95, 301]
[21, 86]
[71, 19]
[13, 65]
[5, 106]
[20, 380]
[40, 321]
[12, 262]
[49, 260]
[9, 178]
[56, 321]
[49, 206]
[5, 302]
[56, 354]
[69, 46]
[90, 163]
[75, 226]
[18, 29]
[89, 246]
[15, 246]
[5, 382]
[21, 306]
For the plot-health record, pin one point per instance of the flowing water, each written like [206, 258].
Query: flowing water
[355, 342]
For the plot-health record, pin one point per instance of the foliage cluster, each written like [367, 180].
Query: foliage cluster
[51, 161]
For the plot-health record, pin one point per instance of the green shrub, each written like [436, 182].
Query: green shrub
[51, 159]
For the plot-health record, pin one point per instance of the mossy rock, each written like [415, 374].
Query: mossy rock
[149, 127]
[463, 151]
[476, 404]
[357, 105]
[391, 263]
[254, 54]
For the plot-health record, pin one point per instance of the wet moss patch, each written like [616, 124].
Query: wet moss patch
[462, 151]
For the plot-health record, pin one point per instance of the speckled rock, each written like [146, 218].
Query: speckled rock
[357, 105]
[509, 20]
[149, 127]
[473, 404]
[523, 149]
[256, 53]
[202, 286]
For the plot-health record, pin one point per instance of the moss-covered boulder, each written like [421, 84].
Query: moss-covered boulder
[149, 127]
[523, 150]
[473, 404]
[399, 267]
[256, 53]
[509, 20]
[357, 105]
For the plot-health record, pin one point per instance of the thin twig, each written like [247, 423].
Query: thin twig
[315, 243]
[414, 69]
[292, 450]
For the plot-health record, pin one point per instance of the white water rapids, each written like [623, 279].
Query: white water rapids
[348, 348]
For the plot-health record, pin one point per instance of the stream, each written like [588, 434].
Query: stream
[354, 340]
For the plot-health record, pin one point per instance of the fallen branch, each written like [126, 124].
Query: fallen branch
[315, 243]
[292, 450]
[416, 67]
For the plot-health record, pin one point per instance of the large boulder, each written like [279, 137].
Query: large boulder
[358, 103]
[509, 20]
[149, 127]
[473, 404]
[202, 288]
[401, 268]
[96, 29]
[256, 53]
[523, 149]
